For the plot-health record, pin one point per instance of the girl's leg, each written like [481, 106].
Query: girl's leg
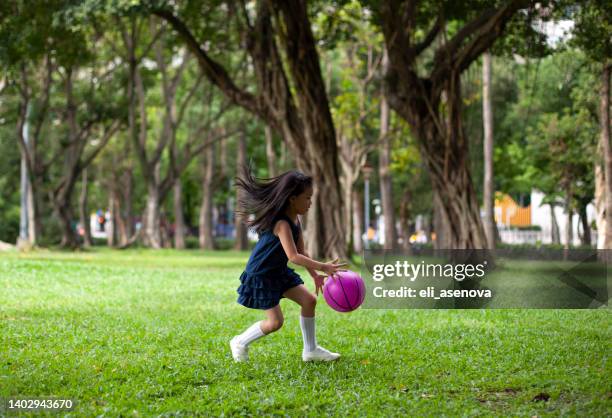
[301, 296]
[308, 302]
[240, 343]
[274, 320]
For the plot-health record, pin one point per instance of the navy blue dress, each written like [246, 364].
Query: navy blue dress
[267, 276]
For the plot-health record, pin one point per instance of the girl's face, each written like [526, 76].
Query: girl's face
[301, 203]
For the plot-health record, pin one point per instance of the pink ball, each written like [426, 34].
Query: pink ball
[346, 292]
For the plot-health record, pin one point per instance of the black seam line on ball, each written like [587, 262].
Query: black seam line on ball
[336, 302]
[346, 297]
[358, 290]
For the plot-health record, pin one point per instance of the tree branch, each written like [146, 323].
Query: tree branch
[429, 38]
[23, 106]
[213, 70]
[107, 136]
[46, 96]
[488, 35]
[486, 27]
[187, 99]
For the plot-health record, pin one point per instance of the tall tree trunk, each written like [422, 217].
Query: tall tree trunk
[437, 125]
[444, 148]
[152, 231]
[179, 220]
[353, 157]
[134, 128]
[64, 212]
[84, 211]
[121, 187]
[299, 111]
[270, 154]
[120, 224]
[242, 241]
[62, 195]
[28, 141]
[405, 221]
[488, 190]
[74, 163]
[384, 157]
[440, 224]
[111, 222]
[569, 232]
[585, 238]
[357, 221]
[27, 231]
[349, 220]
[223, 160]
[600, 201]
[604, 122]
[324, 232]
[128, 187]
[206, 221]
[34, 223]
[554, 228]
[164, 229]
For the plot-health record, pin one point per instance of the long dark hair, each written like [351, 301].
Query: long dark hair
[267, 198]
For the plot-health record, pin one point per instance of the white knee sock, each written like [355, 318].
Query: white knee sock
[308, 332]
[253, 333]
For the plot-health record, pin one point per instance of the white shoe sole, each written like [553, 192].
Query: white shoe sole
[235, 355]
[306, 359]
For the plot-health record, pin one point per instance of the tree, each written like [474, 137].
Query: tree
[411, 184]
[206, 218]
[432, 104]
[592, 34]
[98, 119]
[159, 184]
[65, 61]
[489, 189]
[353, 74]
[384, 157]
[293, 103]
[27, 37]
[241, 229]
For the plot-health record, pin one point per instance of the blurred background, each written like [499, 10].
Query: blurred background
[433, 124]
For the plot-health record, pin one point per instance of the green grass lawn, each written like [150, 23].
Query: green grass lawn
[141, 333]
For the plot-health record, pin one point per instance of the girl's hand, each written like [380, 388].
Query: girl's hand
[333, 267]
[319, 281]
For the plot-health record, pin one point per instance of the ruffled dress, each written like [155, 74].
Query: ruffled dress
[267, 275]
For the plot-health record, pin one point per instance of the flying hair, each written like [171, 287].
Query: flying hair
[267, 198]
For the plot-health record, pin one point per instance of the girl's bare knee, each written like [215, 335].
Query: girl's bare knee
[309, 302]
[312, 301]
[275, 324]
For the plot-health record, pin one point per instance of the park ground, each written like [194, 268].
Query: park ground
[142, 332]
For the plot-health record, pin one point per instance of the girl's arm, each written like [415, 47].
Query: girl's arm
[319, 279]
[283, 231]
[300, 249]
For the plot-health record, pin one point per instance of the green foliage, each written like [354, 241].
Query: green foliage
[552, 130]
[537, 106]
[357, 50]
[592, 28]
[408, 172]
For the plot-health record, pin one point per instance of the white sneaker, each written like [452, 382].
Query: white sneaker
[319, 354]
[240, 352]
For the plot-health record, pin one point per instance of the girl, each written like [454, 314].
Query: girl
[276, 204]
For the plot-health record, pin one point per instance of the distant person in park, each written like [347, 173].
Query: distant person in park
[101, 220]
[276, 204]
